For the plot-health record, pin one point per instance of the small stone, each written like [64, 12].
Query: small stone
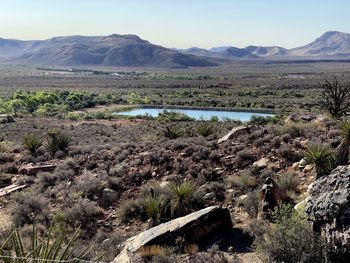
[302, 163]
[308, 168]
[262, 163]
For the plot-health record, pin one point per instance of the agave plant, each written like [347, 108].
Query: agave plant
[321, 155]
[342, 152]
[32, 143]
[48, 249]
[181, 197]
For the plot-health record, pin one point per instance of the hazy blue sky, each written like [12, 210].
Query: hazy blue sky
[178, 23]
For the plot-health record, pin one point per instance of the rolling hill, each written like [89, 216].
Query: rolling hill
[131, 51]
[112, 50]
[331, 45]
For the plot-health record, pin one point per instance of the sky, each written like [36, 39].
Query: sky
[178, 23]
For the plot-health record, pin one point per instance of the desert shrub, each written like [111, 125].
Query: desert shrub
[296, 129]
[260, 142]
[66, 170]
[201, 153]
[288, 181]
[155, 253]
[108, 197]
[132, 209]
[83, 214]
[45, 180]
[117, 171]
[334, 133]
[251, 204]
[32, 143]
[57, 140]
[276, 142]
[292, 238]
[171, 132]
[5, 180]
[205, 129]
[285, 151]
[152, 187]
[90, 186]
[107, 243]
[29, 208]
[245, 155]
[286, 137]
[173, 116]
[321, 155]
[262, 120]
[243, 181]
[210, 175]
[215, 188]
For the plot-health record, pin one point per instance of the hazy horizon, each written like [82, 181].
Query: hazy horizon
[180, 24]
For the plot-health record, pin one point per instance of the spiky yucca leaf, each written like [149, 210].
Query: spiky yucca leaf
[345, 128]
[182, 195]
[205, 129]
[32, 143]
[153, 206]
[42, 250]
[322, 156]
[171, 132]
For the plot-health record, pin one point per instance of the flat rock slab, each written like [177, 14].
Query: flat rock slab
[194, 228]
[237, 131]
[31, 169]
[11, 188]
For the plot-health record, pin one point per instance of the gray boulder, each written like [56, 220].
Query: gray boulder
[196, 228]
[328, 206]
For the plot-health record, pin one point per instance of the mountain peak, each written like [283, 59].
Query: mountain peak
[333, 35]
[128, 36]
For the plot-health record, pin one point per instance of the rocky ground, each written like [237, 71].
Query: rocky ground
[99, 182]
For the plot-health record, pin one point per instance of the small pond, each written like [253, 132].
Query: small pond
[196, 114]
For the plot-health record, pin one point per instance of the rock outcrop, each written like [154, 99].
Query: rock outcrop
[271, 196]
[196, 228]
[237, 131]
[303, 118]
[328, 206]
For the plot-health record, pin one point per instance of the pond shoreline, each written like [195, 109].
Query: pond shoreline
[182, 107]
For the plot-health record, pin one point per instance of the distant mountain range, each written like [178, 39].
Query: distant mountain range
[113, 50]
[132, 51]
[331, 45]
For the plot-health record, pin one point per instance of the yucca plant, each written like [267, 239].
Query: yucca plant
[32, 143]
[321, 155]
[57, 140]
[153, 206]
[205, 129]
[171, 132]
[342, 151]
[181, 197]
[48, 249]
